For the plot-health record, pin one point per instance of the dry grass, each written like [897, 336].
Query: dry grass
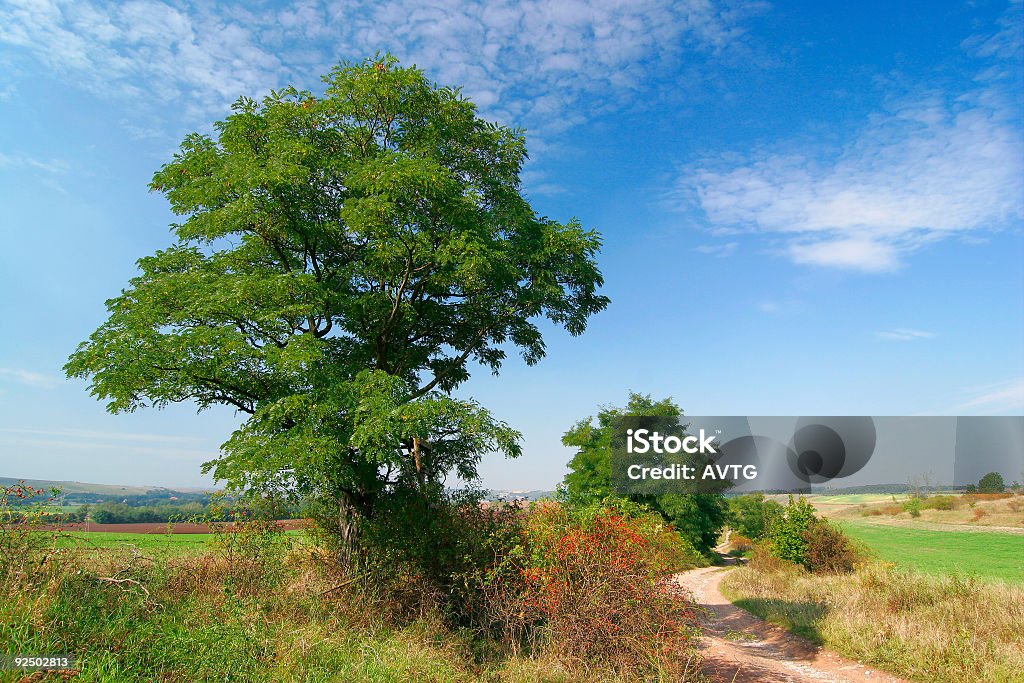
[975, 509]
[921, 628]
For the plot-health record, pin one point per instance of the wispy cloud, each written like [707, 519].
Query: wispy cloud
[930, 164]
[24, 161]
[93, 435]
[527, 63]
[102, 443]
[29, 378]
[1000, 398]
[720, 250]
[903, 334]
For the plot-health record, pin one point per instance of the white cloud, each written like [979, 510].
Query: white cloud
[527, 63]
[93, 435]
[102, 444]
[31, 379]
[143, 47]
[927, 166]
[1000, 398]
[903, 334]
[720, 250]
[23, 161]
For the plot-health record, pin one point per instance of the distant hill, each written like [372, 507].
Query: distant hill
[79, 487]
[83, 492]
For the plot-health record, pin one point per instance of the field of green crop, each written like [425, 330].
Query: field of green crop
[985, 555]
[162, 544]
[159, 544]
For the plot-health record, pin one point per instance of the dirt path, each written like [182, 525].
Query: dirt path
[741, 648]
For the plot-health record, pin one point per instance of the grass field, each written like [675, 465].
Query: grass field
[856, 498]
[985, 555]
[919, 627]
[164, 544]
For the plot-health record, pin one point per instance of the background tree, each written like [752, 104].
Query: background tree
[341, 262]
[788, 536]
[697, 516]
[753, 515]
[991, 483]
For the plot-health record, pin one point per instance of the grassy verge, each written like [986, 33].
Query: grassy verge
[920, 627]
[578, 603]
[984, 555]
[188, 618]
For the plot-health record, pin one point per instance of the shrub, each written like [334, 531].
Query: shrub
[739, 544]
[829, 550]
[978, 514]
[913, 506]
[25, 544]
[939, 503]
[437, 549]
[251, 546]
[787, 537]
[594, 586]
[763, 559]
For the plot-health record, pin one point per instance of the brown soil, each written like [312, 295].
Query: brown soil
[741, 648]
[162, 527]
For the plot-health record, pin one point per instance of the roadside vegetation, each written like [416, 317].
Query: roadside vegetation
[548, 592]
[920, 627]
[825, 581]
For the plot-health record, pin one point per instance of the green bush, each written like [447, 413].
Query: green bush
[752, 515]
[913, 506]
[787, 538]
[992, 483]
[939, 503]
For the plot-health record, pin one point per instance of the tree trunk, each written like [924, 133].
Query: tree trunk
[349, 522]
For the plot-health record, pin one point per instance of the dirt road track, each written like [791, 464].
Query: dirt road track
[741, 648]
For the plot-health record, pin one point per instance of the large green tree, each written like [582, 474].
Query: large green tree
[992, 483]
[342, 261]
[697, 516]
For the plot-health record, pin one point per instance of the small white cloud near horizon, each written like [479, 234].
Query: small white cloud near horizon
[87, 443]
[903, 334]
[1000, 398]
[90, 434]
[31, 379]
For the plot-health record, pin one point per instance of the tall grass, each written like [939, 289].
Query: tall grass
[924, 628]
[255, 606]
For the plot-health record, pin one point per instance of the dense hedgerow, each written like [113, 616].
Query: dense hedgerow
[514, 594]
[800, 537]
[597, 581]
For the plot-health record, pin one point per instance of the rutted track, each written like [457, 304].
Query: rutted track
[741, 648]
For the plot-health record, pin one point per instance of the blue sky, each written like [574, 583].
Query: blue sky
[808, 208]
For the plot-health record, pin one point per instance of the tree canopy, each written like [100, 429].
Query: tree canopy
[342, 261]
[697, 516]
[992, 483]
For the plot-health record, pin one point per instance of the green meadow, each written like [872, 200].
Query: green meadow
[981, 554]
